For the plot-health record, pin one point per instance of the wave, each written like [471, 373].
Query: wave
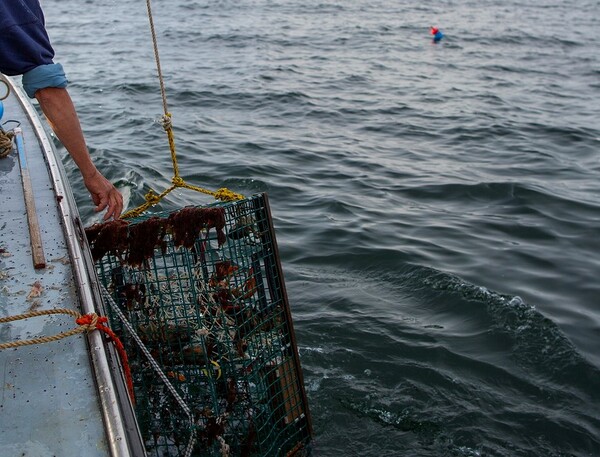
[491, 363]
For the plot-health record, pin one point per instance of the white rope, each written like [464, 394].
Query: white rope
[156, 367]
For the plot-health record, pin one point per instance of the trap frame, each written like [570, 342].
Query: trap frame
[203, 290]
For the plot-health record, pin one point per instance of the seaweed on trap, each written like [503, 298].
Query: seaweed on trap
[203, 289]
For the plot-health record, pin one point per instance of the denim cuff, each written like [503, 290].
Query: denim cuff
[51, 75]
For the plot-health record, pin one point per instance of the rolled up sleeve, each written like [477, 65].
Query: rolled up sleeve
[51, 75]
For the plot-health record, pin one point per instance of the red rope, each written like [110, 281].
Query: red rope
[88, 319]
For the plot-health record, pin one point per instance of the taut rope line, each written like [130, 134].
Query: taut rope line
[152, 198]
[157, 58]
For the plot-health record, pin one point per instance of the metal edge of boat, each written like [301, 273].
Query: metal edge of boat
[123, 436]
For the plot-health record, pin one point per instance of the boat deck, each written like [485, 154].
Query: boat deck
[49, 400]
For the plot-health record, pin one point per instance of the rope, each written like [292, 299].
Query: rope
[87, 323]
[151, 197]
[5, 95]
[93, 322]
[43, 339]
[156, 57]
[6, 144]
[156, 367]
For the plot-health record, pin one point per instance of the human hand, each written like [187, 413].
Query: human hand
[104, 195]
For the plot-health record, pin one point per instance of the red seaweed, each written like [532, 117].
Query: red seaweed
[107, 237]
[140, 240]
[187, 223]
[143, 239]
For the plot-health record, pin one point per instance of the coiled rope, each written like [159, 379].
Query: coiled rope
[86, 323]
[152, 198]
[6, 144]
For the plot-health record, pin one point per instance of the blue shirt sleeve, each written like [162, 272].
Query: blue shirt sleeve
[51, 75]
[25, 47]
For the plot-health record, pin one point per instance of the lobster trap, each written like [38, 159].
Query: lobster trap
[199, 302]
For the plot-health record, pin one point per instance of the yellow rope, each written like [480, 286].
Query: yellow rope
[47, 339]
[151, 197]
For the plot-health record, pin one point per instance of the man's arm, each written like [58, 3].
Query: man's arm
[58, 108]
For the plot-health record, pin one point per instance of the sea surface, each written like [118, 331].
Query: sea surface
[437, 206]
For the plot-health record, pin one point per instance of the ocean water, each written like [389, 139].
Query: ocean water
[436, 205]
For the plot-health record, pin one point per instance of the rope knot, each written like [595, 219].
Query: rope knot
[152, 198]
[227, 195]
[86, 322]
[178, 181]
[90, 321]
[167, 123]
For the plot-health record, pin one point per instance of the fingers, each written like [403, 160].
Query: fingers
[115, 206]
[105, 196]
[113, 203]
[108, 214]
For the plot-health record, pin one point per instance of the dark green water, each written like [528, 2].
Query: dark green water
[436, 206]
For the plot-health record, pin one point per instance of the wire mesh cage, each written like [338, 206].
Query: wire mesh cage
[202, 288]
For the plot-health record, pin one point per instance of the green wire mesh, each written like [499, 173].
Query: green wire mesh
[204, 291]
